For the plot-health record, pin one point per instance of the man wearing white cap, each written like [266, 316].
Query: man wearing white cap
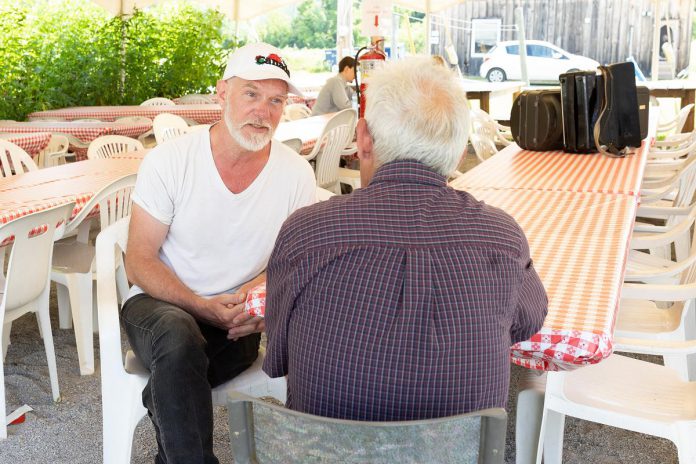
[207, 209]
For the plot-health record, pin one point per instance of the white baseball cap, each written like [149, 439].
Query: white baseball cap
[258, 61]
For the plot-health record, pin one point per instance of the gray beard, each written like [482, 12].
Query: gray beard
[251, 143]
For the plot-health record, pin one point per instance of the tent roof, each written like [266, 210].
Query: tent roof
[236, 10]
[426, 6]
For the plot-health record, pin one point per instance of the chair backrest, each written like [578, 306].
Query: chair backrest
[31, 253]
[483, 147]
[133, 120]
[336, 136]
[295, 111]
[295, 144]
[196, 99]
[172, 124]
[323, 194]
[157, 101]
[262, 432]
[109, 145]
[14, 160]
[54, 153]
[114, 202]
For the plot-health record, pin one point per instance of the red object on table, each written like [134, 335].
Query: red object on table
[256, 301]
[201, 114]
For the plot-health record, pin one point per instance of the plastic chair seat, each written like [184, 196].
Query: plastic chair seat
[646, 391]
[639, 318]
[73, 256]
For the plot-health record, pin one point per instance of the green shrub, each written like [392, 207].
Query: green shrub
[51, 59]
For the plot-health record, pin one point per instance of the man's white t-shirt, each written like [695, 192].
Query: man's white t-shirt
[218, 240]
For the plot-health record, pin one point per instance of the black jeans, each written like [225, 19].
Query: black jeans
[186, 358]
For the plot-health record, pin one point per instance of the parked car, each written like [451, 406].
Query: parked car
[545, 61]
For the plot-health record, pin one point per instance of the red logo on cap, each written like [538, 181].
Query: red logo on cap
[274, 60]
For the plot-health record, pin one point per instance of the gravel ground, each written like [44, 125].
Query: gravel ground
[70, 431]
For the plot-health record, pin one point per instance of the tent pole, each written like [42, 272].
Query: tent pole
[519, 20]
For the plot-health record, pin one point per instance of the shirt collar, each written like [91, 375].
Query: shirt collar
[410, 171]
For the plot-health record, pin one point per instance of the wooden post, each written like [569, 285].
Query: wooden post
[655, 65]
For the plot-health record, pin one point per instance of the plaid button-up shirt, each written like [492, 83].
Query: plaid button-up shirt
[399, 301]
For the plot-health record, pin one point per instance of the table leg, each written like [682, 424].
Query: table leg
[485, 102]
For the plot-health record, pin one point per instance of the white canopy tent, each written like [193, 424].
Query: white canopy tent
[236, 10]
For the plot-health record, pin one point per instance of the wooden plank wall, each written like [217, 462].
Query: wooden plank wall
[606, 30]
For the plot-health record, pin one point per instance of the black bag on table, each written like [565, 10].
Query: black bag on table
[605, 112]
[536, 120]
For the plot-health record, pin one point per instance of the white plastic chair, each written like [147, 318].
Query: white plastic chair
[295, 144]
[137, 120]
[26, 286]
[73, 266]
[196, 99]
[110, 145]
[483, 147]
[349, 177]
[261, 432]
[55, 153]
[14, 160]
[336, 136]
[157, 101]
[295, 111]
[167, 125]
[124, 378]
[677, 124]
[625, 393]
[484, 125]
[323, 194]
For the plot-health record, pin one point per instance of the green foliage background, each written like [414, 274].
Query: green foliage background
[51, 59]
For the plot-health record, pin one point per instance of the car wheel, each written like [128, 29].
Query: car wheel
[496, 75]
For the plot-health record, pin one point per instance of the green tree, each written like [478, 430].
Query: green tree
[314, 26]
[277, 30]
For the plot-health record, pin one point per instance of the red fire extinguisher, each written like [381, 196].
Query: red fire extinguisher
[370, 61]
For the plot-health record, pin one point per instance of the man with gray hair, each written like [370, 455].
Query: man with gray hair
[401, 300]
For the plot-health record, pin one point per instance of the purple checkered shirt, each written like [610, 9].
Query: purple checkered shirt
[399, 301]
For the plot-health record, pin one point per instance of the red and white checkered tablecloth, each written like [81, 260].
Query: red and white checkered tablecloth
[31, 143]
[38, 190]
[201, 114]
[84, 132]
[556, 170]
[578, 242]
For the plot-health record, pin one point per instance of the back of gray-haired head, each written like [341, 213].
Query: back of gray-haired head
[417, 110]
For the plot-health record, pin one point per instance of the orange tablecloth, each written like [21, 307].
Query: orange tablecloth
[577, 212]
[31, 143]
[202, 114]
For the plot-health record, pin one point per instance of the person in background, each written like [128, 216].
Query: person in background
[206, 211]
[336, 95]
[401, 300]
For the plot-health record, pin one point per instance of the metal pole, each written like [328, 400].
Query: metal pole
[655, 65]
[519, 20]
[428, 46]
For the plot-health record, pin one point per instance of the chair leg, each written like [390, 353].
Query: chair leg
[552, 437]
[45, 325]
[64, 319]
[530, 407]
[3, 426]
[685, 365]
[686, 445]
[80, 289]
[119, 426]
[6, 329]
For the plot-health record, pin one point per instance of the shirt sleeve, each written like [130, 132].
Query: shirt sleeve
[280, 300]
[532, 304]
[153, 188]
